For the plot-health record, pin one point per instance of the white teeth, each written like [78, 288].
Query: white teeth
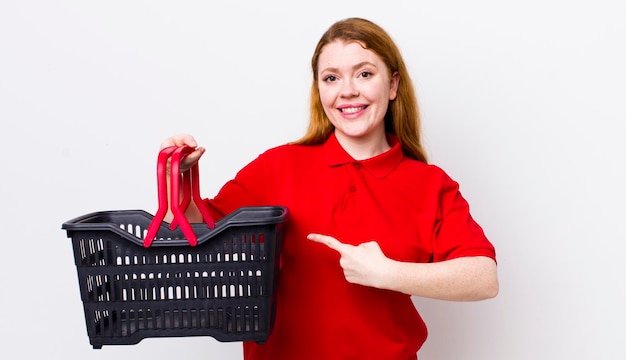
[351, 110]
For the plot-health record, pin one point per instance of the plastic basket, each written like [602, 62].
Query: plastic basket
[223, 287]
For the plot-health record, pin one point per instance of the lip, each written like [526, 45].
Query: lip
[352, 109]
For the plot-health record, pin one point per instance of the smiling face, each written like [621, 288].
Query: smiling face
[355, 89]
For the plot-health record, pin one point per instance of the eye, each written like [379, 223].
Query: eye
[366, 74]
[329, 78]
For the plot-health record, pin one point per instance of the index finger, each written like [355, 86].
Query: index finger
[180, 140]
[329, 241]
[193, 157]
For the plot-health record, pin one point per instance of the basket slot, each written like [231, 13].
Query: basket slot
[130, 286]
[125, 322]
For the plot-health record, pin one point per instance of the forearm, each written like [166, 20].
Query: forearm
[461, 279]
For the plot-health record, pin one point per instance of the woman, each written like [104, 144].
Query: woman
[371, 223]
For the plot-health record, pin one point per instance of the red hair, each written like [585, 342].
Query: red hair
[402, 118]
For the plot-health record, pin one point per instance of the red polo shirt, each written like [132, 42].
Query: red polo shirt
[412, 209]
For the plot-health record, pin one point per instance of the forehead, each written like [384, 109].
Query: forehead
[341, 53]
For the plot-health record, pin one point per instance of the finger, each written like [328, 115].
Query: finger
[179, 140]
[189, 141]
[329, 241]
[192, 158]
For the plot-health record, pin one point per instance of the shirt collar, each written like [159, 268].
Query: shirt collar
[379, 166]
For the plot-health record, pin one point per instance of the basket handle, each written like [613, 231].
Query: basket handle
[191, 189]
[164, 154]
[189, 180]
[175, 183]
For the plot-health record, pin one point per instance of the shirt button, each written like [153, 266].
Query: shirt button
[352, 188]
[357, 165]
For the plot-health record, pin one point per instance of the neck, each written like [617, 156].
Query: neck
[363, 148]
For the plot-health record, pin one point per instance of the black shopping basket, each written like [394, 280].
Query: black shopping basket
[142, 277]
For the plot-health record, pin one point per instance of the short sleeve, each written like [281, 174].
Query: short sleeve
[456, 233]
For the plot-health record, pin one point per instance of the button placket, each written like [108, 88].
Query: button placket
[357, 166]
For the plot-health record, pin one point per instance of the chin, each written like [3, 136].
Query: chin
[354, 133]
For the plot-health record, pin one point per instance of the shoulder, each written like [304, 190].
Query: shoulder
[290, 151]
[286, 156]
[413, 165]
[425, 172]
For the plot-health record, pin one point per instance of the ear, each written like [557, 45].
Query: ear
[393, 85]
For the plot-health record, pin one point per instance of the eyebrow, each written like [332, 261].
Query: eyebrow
[356, 66]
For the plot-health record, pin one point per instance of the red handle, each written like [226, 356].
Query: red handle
[197, 199]
[190, 190]
[175, 183]
[162, 193]
[186, 189]
[175, 178]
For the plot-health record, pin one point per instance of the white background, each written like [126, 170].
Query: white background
[522, 103]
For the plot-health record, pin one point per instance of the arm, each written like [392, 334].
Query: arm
[460, 279]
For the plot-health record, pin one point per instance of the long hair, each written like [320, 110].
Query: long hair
[402, 117]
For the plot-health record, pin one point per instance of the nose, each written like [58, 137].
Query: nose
[349, 88]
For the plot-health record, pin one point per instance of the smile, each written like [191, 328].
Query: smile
[352, 110]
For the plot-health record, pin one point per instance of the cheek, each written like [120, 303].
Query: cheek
[327, 98]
